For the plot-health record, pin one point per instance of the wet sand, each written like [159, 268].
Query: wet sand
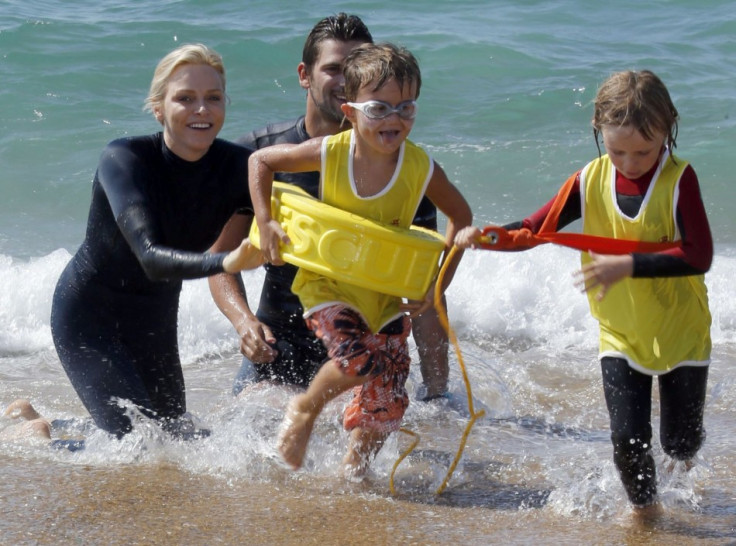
[46, 503]
[539, 475]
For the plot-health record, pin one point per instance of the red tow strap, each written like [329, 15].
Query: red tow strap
[498, 238]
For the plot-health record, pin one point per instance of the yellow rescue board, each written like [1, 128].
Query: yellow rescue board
[349, 248]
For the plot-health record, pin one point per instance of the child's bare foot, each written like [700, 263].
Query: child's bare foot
[688, 464]
[647, 515]
[21, 409]
[296, 428]
[362, 448]
[354, 464]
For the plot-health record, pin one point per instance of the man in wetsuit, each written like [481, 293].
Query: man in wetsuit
[276, 344]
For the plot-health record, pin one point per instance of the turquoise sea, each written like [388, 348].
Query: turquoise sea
[505, 108]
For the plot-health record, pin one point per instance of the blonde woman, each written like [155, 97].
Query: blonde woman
[158, 203]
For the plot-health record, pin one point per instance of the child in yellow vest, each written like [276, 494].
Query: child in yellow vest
[371, 170]
[652, 308]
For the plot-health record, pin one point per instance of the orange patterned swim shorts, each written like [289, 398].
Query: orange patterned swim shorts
[380, 403]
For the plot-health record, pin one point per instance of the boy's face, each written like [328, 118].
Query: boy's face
[386, 134]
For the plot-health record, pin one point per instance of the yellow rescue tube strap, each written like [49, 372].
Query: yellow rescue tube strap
[352, 249]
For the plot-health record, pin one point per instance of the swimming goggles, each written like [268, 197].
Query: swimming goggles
[377, 109]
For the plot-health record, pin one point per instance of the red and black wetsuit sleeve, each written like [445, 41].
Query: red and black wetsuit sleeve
[695, 255]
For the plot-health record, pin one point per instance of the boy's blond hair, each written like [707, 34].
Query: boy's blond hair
[376, 64]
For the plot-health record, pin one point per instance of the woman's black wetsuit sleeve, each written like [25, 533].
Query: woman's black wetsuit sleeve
[160, 262]
[123, 176]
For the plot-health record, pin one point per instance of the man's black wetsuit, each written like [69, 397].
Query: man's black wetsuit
[114, 314]
[300, 353]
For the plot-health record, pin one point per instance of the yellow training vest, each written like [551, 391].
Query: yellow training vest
[396, 204]
[656, 324]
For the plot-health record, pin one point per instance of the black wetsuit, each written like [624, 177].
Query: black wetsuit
[114, 314]
[628, 396]
[300, 353]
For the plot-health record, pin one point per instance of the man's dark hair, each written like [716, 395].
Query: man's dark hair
[342, 27]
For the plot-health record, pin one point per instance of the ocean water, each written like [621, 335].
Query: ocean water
[505, 108]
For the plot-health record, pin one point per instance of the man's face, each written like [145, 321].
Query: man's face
[324, 82]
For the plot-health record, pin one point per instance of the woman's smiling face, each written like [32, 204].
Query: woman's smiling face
[192, 111]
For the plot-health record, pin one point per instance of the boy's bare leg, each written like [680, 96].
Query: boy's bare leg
[296, 428]
[364, 445]
[302, 411]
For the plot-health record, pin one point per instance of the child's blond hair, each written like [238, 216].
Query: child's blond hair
[376, 64]
[637, 99]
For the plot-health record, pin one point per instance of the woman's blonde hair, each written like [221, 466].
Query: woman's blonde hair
[187, 54]
[637, 99]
